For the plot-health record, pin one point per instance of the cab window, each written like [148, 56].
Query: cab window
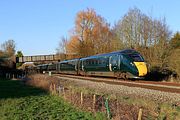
[137, 57]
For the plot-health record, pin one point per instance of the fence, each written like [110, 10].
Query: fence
[97, 103]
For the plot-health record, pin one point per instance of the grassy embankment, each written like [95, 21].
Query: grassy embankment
[21, 102]
[121, 106]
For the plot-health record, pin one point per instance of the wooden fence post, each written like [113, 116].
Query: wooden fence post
[59, 90]
[94, 101]
[54, 88]
[81, 98]
[140, 114]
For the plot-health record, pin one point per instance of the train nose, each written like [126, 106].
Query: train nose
[142, 68]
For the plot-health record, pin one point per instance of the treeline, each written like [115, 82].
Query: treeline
[7, 59]
[92, 34]
[7, 53]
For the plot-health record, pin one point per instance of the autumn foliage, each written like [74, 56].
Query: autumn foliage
[92, 35]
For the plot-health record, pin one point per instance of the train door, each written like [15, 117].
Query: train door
[114, 63]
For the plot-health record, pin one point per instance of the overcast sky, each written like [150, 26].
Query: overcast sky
[38, 25]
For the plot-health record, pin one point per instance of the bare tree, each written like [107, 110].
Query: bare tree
[62, 46]
[8, 47]
[8, 53]
[149, 36]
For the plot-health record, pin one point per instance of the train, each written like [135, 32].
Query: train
[125, 64]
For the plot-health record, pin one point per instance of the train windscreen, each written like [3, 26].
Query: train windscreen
[137, 58]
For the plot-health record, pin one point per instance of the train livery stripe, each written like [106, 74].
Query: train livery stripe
[142, 68]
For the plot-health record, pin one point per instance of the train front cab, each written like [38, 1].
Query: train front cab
[140, 65]
[142, 68]
[127, 65]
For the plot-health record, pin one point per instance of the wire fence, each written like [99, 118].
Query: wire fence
[97, 103]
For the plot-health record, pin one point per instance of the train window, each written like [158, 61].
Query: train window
[87, 62]
[91, 62]
[95, 62]
[114, 60]
[103, 61]
[137, 57]
[98, 61]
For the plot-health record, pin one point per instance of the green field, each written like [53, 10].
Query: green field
[22, 102]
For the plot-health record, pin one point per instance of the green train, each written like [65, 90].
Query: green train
[121, 64]
[46, 67]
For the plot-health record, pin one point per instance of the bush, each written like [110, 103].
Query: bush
[174, 62]
[158, 74]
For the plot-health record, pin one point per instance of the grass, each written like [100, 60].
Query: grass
[169, 112]
[21, 102]
[156, 110]
[15, 89]
[151, 109]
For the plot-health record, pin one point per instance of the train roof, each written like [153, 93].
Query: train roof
[42, 64]
[126, 51]
[69, 60]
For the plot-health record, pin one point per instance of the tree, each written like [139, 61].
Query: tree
[8, 53]
[128, 29]
[175, 41]
[174, 61]
[62, 46]
[8, 47]
[19, 54]
[73, 45]
[145, 34]
[174, 58]
[91, 34]
[1, 53]
[1, 57]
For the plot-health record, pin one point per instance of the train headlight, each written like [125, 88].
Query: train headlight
[132, 64]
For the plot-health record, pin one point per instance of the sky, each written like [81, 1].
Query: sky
[37, 26]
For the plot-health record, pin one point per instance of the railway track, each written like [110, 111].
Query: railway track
[160, 86]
